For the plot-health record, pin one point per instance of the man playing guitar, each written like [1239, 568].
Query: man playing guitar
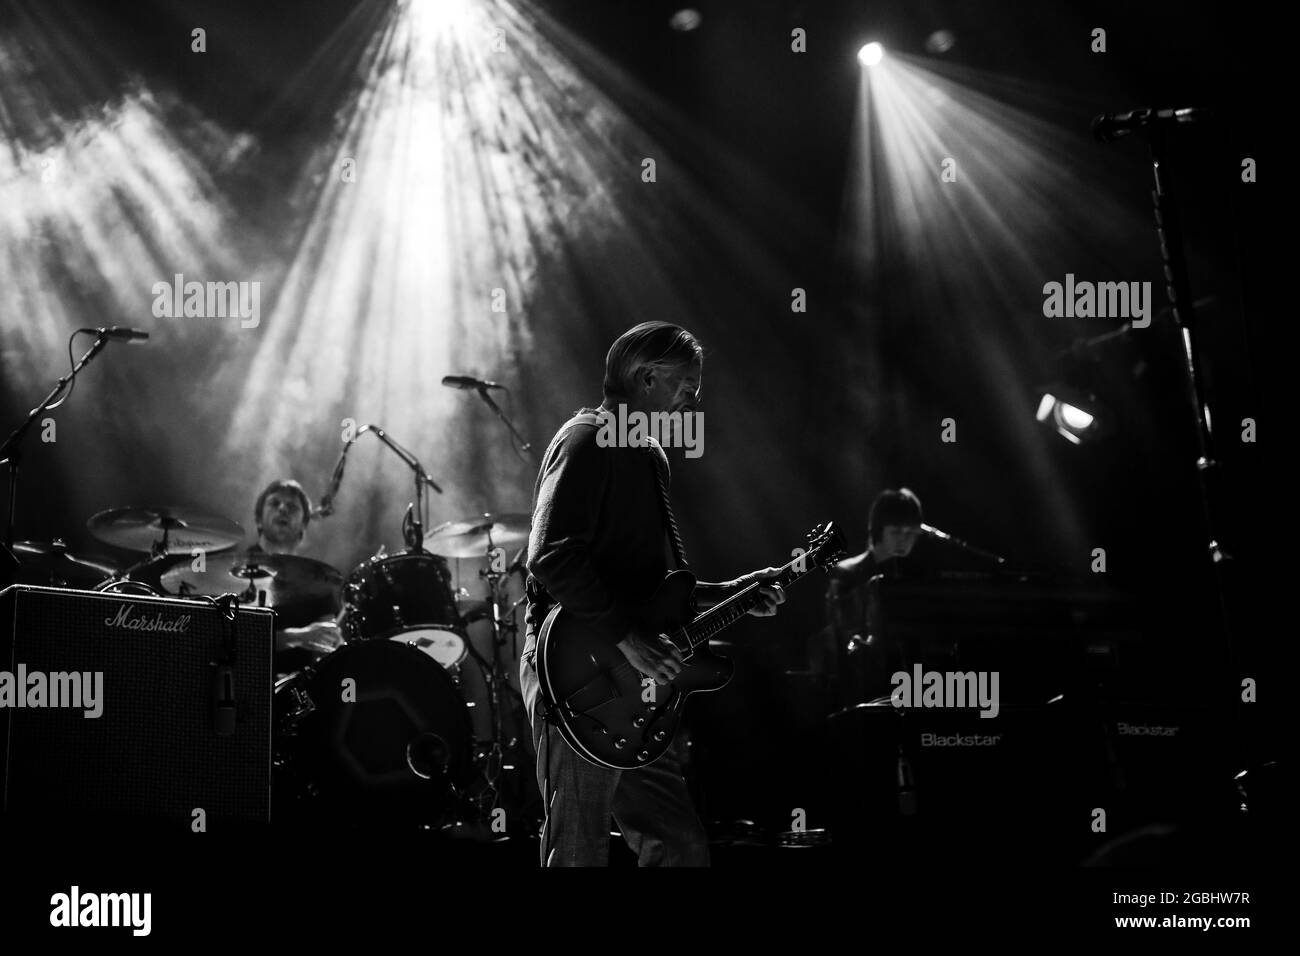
[602, 540]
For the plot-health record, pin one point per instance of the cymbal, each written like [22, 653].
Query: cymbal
[286, 578]
[473, 536]
[139, 529]
[53, 560]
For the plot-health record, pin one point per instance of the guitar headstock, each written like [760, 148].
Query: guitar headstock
[825, 545]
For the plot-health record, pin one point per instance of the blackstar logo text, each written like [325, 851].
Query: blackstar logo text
[143, 622]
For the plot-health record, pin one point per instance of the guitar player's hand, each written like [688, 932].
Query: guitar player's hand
[772, 594]
[654, 656]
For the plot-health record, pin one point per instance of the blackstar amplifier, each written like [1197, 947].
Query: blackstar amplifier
[143, 708]
[1017, 781]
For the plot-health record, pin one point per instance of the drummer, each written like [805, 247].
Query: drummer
[282, 513]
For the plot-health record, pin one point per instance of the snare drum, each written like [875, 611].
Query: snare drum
[405, 597]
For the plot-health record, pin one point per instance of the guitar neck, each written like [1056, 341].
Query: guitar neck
[721, 616]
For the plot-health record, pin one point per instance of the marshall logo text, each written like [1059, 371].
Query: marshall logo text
[142, 622]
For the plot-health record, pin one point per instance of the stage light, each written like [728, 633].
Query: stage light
[1076, 419]
[686, 20]
[1069, 414]
[941, 41]
[871, 54]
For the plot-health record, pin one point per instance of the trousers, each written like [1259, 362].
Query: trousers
[650, 805]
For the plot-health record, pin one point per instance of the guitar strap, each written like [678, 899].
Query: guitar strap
[670, 523]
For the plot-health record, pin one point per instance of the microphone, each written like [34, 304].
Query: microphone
[122, 333]
[466, 382]
[1108, 127]
[935, 533]
[326, 506]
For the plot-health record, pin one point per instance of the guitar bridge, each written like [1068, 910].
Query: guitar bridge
[659, 712]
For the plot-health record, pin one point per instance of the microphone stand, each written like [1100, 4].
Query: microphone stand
[326, 506]
[965, 546]
[525, 446]
[11, 451]
[415, 514]
[1179, 292]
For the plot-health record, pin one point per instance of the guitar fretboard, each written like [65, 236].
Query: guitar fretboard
[720, 617]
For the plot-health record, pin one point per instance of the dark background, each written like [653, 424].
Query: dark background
[809, 415]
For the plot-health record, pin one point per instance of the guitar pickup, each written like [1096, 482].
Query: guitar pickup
[593, 695]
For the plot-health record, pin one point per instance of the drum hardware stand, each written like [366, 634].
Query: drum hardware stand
[158, 551]
[492, 757]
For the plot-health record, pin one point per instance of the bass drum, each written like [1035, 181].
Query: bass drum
[375, 734]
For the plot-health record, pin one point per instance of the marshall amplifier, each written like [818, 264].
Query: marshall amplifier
[133, 707]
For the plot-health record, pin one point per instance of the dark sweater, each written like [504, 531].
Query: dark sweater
[598, 541]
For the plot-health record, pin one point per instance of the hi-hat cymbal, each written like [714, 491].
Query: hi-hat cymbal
[473, 536]
[187, 530]
[51, 560]
[286, 578]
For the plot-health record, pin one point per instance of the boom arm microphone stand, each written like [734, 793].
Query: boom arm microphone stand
[1179, 292]
[523, 445]
[11, 450]
[413, 525]
[1178, 289]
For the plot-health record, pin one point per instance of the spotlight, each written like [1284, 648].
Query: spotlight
[686, 20]
[1073, 418]
[871, 54]
[941, 41]
[1074, 415]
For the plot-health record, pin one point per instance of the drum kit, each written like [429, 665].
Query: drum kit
[403, 749]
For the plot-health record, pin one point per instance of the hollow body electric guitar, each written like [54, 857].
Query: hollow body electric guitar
[602, 705]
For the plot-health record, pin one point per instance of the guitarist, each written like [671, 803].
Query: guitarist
[603, 539]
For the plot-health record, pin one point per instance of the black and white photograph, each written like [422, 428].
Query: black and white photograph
[815, 440]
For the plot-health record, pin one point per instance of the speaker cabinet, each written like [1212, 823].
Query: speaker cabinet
[133, 707]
